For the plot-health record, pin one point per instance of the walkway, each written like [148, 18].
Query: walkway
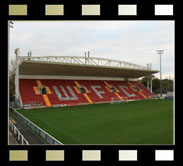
[28, 134]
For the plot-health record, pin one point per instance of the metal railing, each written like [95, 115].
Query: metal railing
[17, 133]
[43, 134]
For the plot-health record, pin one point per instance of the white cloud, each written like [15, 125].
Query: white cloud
[133, 41]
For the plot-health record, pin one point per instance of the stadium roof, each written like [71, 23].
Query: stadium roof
[81, 66]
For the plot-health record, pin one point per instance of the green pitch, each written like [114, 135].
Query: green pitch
[138, 122]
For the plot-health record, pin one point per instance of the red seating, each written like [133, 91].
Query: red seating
[65, 92]
[27, 92]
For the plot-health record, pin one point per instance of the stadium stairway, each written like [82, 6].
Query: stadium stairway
[67, 92]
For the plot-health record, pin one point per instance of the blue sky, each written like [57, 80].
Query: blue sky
[131, 41]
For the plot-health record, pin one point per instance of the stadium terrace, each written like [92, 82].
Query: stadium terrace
[66, 80]
[72, 80]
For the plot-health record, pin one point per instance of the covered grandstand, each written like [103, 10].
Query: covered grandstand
[75, 80]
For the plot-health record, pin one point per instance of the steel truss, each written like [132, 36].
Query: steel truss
[79, 60]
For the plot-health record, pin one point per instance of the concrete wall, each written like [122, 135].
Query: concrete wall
[72, 77]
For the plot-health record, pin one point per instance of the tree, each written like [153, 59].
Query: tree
[12, 68]
[167, 84]
[156, 85]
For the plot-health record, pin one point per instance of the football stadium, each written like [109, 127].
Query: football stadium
[88, 100]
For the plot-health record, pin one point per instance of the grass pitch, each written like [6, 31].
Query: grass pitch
[137, 122]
